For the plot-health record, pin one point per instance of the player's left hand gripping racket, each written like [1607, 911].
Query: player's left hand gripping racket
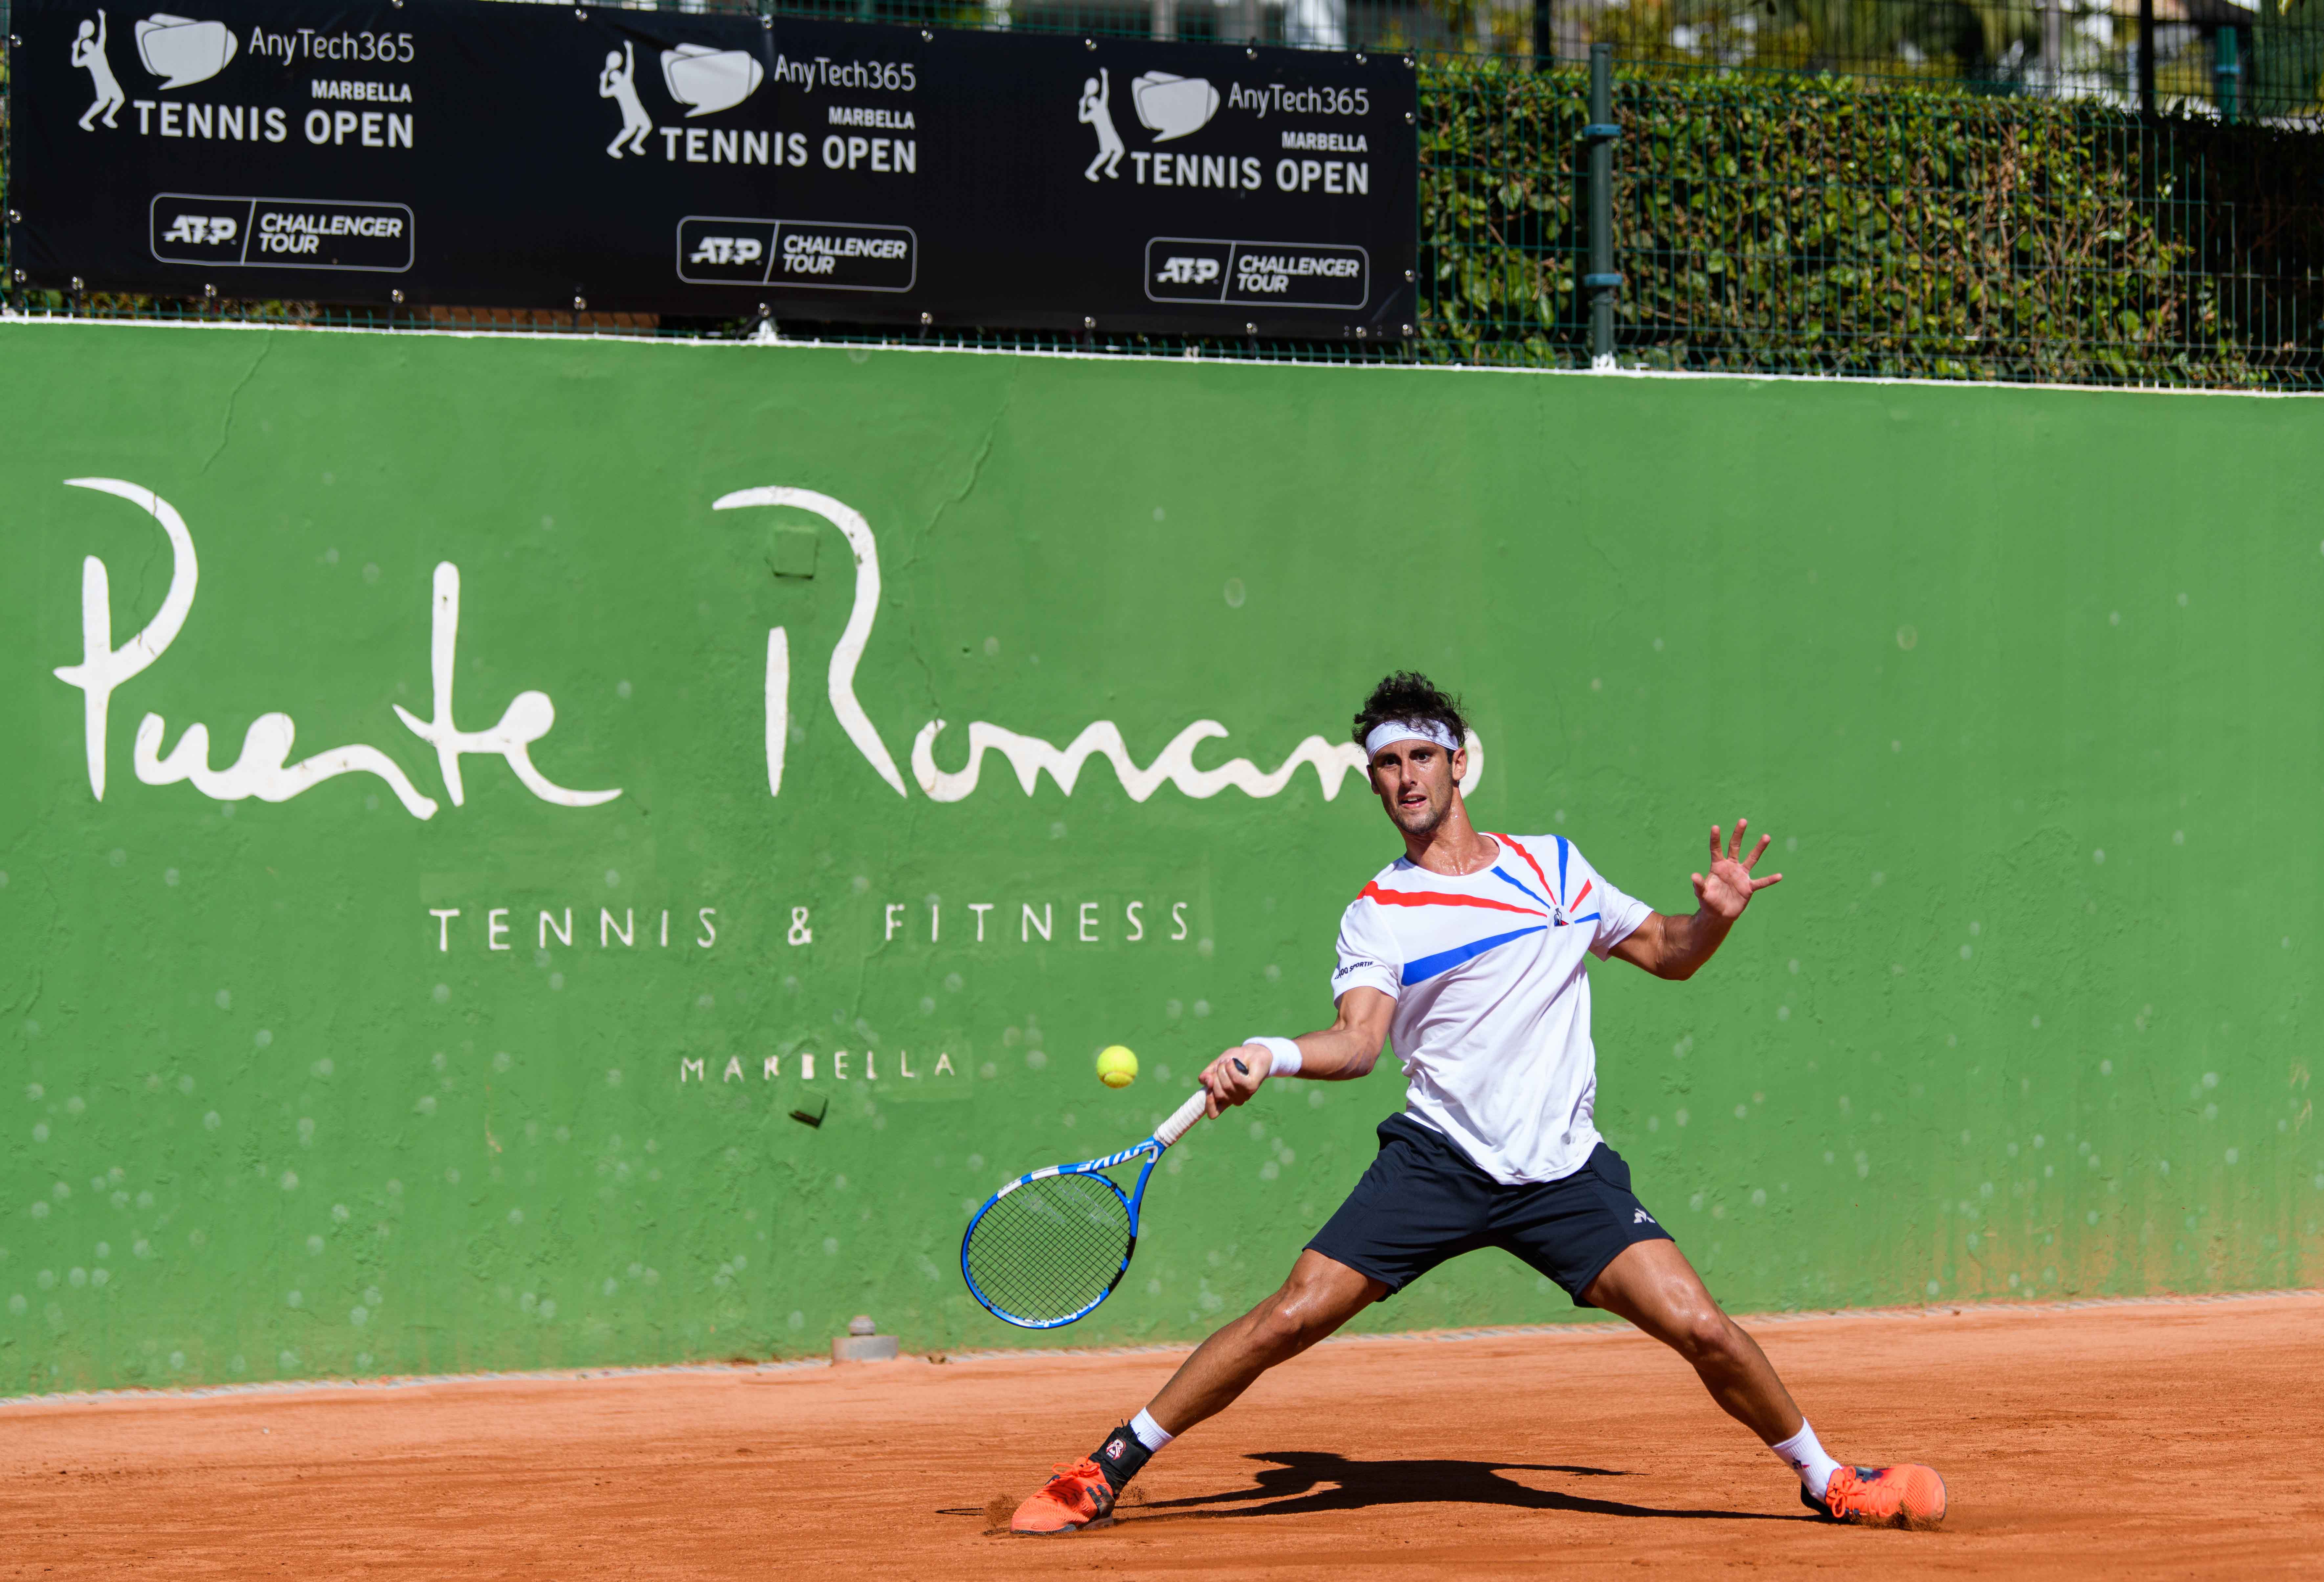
[1049, 1247]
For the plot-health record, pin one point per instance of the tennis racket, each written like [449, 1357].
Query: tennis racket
[1049, 1247]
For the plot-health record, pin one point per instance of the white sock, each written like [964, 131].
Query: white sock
[1804, 1455]
[1153, 1436]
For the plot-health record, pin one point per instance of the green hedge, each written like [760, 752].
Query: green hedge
[1820, 225]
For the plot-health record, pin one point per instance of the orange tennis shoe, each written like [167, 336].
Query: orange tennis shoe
[1909, 1495]
[1076, 1499]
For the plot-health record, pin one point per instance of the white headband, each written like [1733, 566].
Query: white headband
[1388, 731]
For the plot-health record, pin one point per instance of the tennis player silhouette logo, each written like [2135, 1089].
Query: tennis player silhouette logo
[89, 54]
[619, 82]
[1097, 113]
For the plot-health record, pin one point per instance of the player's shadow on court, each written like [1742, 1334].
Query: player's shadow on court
[1301, 1481]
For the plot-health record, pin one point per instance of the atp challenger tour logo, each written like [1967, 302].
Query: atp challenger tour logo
[191, 228]
[264, 767]
[722, 251]
[1280, 274]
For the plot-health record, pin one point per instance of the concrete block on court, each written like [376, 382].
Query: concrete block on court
[863, 1348]
[862, 1342]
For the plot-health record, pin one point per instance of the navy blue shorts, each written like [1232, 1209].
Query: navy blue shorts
[1424, 1200]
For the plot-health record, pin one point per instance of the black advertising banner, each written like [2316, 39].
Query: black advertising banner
[500, 155]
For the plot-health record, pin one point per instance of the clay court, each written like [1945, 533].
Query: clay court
[2165, 1438]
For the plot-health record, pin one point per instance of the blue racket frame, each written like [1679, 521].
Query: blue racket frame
[1132, 1201]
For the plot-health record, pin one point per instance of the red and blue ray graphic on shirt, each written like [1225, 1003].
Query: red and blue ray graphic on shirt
[1372, 892]
[1422, 969]
[1544, 904]
[1565, 910]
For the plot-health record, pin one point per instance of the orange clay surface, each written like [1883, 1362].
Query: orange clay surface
[2176, 1438]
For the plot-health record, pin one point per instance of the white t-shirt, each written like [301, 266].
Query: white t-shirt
[1492, 996]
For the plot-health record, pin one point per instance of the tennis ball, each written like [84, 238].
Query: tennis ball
[1116, 1066]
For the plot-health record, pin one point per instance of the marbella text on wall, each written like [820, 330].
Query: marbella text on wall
[445, 153]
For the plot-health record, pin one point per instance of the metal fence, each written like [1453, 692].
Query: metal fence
[1849, 223]
[1827, 228]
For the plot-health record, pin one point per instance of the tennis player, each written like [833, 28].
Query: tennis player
[1468, 953]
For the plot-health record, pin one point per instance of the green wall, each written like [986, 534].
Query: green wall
[2023, 684]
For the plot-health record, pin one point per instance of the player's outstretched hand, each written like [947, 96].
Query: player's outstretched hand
[1232, 1078]
[1729, 887]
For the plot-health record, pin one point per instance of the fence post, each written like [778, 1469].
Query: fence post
[2146, 57]
[1544, 36]
[2227, 72]
[1602, 281]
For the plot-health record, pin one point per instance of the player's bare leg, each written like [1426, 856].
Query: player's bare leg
[1321, 1294]
[1652, 1284]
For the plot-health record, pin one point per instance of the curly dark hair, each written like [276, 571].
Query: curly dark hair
[1407, 694]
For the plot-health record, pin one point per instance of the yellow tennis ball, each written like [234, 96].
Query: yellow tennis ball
[1116, 1066]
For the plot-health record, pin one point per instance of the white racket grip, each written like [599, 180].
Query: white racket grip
[1180, 1124]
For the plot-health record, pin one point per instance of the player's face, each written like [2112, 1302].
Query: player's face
[1416, 781]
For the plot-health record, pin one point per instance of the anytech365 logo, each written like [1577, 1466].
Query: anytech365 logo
[1168, 105]
[179, 49]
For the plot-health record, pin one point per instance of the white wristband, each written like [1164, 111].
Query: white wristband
[1286, 1054]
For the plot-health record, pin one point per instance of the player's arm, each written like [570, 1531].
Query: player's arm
[1348, 1048]
[1676, 947]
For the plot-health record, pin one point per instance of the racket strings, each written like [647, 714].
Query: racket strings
[1050, 1248]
